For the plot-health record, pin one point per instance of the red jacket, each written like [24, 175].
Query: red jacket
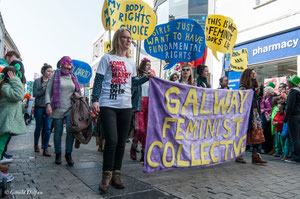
[279, 119]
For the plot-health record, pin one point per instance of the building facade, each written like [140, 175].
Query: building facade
[270, 30]
[6, 42]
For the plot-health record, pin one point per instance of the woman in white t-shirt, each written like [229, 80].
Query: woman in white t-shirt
[112, 95]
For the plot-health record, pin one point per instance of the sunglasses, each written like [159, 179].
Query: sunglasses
[67, 63]
[185, 69]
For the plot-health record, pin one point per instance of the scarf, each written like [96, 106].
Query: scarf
[56, 89]
[203, 82]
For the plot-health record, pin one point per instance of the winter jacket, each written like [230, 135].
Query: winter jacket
[279, 119]
[293, 103]
[11, 117]
[39, 91]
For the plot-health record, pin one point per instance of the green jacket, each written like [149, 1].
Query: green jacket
[274, 111]
[11, 117]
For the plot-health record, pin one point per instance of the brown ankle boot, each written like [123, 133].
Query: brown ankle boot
[240, 160]
[106, 180]
[272, 152]
[3, 167]
[36, 149]
[46, 153]
[116, 180]
[101, 145]
[256, 158]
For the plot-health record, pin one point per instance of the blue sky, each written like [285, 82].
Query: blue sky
[46, 30]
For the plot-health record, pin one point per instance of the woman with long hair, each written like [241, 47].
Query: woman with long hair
[186, 76]
[62, 84]
[114, 79]
[255, 134]
[42, 120]
[202, 80]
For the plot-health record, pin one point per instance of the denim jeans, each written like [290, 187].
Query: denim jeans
[58, 131]
[42, 120]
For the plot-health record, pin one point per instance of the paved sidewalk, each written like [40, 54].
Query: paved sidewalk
[39, 176]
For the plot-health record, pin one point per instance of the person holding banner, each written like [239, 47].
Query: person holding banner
[114, 79]
[62, 84]
[174, 77]
[202, 71]
[186, 76]
[255, 134]
[224, 82]
[140, 101]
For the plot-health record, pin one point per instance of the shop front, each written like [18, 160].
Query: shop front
[274, 57]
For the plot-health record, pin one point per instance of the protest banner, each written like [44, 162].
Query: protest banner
[239, 60]
[180, 40]
[82, 70]
[191, 126]
[220, 34]
[136, 16]
[107, 46]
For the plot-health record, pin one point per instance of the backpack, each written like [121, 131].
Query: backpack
[81, 125]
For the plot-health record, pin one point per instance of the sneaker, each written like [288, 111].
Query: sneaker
[290, 160]
[7, 156]
[9, 177]
[6, 160]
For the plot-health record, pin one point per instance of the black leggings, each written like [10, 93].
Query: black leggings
[116, 123]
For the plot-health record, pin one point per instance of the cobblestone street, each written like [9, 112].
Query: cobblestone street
[44, 179]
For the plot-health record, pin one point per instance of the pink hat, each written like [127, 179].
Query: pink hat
[66, 60]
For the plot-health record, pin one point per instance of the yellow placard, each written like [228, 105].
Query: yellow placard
[137, 16]
[107, 46]
[220, 34]
[239, 60]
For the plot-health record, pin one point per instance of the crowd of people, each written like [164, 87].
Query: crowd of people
[120, 99]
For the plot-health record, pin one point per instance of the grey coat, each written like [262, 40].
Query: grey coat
[39, 90]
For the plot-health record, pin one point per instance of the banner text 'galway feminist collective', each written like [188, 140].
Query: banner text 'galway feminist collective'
[190, 126]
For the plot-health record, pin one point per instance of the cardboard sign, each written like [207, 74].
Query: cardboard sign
[239, 60]
[137, 16]
[83, 71]
[107, 46]
[180, 40]
[194, 126]
[220, 34]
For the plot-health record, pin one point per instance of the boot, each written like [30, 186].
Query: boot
[133, 152]
[272, 152]
[69, 159]
[256, 157]
[142, 156]
[116, 180]
[101, 145]
[240, 160]
[36, 149]
[105, 182]
[46, 153]
[58, 158]
[3, 167]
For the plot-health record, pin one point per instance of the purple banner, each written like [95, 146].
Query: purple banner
[190, 126]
